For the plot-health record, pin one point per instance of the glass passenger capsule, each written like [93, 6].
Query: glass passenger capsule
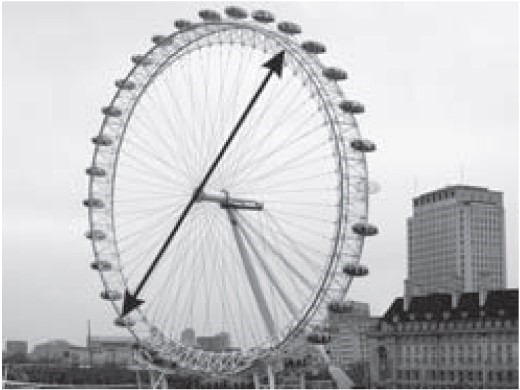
[127, 85]
[352, 107]
[209, 15]
[111, 111]
[95, 171]
[365, 229]
[93, 202]
[124, 322]
[101, 265]
[111, 295]
[102, 140]
[182, 24]
[95, 235]
[143, 60]
[363, 145]
[335, 74]
[353, 269]
[236, 12]
[289, 28]
[263, 16]
[313, 47]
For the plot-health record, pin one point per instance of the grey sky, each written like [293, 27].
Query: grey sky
[440, 82]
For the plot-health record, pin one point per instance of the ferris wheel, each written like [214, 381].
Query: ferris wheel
[228, 193]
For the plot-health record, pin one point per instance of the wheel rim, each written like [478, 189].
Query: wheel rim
[349, 169]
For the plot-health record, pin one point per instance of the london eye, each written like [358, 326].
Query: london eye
[228, 192]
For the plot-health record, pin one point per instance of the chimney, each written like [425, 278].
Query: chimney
[406, 302]
[482, 295]
[454, 299]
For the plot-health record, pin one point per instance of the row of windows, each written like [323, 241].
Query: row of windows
[452, 348]
[471, 359]
[460, 375]
[426, 325]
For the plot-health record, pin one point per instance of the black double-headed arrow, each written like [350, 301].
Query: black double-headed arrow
[131, 301]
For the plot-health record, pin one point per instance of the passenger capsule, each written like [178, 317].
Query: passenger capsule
[102, 140]
[124, 322]
[95, 235]
[353, 269]
[93, 202]
[111, 111]
[95, 171]
[236, 12]
[263, 16]
[352, 107]
[319, 338]
[182, 24]
[363, 145]
[127, 85]
[313, 47]
[340, 307]
[143, 60]
[101, 265]
[364, 229]
[111, 295]
[209, 15]
[161, 39]
[335, 74]
[289, 28]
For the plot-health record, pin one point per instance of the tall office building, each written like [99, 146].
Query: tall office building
[456, 241]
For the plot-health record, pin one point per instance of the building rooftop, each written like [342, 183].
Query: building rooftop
[459, 191]
[498, 304]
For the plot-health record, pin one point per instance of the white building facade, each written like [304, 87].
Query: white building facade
[456, 241]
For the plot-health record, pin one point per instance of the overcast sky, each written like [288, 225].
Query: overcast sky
[439, 80]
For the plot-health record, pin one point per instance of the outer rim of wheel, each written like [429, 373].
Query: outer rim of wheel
[330, 278]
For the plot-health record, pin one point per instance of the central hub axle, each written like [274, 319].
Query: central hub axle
[227, 202]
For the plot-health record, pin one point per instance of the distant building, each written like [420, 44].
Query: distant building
[217, 343]
[467, 340]
[100, 351]
[111, 350]
[53, 350]
[456, 241]
[188, 337]
[348, 337]
[16, 347]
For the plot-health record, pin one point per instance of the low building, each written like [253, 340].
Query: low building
[111, 351]
[218, 343]
[16, 347]
[348, 337]
[447, 341]
[51, 351]
[100, 351]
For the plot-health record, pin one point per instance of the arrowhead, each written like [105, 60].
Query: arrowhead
[130, 303]
[275, 64]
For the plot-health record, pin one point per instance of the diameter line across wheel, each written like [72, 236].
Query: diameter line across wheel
[253, 237]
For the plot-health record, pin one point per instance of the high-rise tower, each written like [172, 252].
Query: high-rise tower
[456, 241]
